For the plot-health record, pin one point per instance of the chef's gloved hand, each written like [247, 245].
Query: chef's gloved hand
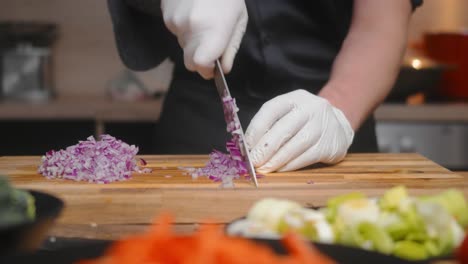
[297, 129]
[206, 30]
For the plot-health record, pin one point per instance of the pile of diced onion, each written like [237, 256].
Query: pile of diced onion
[224, 167]
[104, 161]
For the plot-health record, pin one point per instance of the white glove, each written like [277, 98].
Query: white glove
[295, 130]
[206, 30]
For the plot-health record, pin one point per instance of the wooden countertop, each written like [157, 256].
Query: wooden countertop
[114, 210]
[150, 110]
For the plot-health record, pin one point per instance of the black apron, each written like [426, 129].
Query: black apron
[288, 45]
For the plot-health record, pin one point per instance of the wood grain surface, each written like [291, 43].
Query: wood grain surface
[110, 211]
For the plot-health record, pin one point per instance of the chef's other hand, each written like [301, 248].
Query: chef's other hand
[297, 129]
[206, 30]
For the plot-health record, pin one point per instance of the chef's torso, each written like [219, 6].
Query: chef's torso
[289, 44]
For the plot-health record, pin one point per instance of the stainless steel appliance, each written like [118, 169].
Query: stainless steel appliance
[26, 61]
[443, 142]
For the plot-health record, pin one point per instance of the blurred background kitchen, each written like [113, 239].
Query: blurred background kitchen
[61, 80]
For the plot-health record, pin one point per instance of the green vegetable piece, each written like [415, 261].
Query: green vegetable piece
[454, 202]
[350, 237]
[335, 202]
[31, 206]
[16, 206]
[431, 248]
[398, 231]
[5, 191]
[440, 226]
[445, 243]
[417, 237]
[413, 220]
[392, 198]
[309, 231]
[294, 221]
[282, 227]
[381, 241]
[338, 226]
[410, 250]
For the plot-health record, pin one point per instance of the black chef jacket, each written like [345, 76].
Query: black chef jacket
[288, 45]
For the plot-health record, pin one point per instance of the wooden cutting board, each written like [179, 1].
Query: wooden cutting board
[118, 209]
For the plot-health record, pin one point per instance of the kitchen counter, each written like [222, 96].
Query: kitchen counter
[83, 108]
[114, 210]
[437, 131]
[449, 112]
[102, 109]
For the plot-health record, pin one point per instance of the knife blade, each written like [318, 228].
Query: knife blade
[223, 90]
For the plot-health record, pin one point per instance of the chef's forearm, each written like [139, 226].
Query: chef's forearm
[152, 7]
[370, 58]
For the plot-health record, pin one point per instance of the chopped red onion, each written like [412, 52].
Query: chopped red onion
[143, 162]
[103, 161]
[223, 167]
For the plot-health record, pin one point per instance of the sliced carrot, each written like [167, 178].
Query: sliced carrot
[207, 240]
[207, 246]
[303, 252]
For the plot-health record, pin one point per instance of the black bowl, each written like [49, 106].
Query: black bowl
[28, 236]
[72, 250]
[93, 249]
[340, 253]
[343, 254]
[68, 252]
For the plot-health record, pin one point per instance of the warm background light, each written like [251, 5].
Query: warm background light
[416, 63]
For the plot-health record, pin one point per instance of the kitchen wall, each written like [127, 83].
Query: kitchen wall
[85, 54]
[437, 15]
[86, 58]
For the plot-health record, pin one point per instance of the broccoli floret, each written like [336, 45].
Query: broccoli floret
[16, 206]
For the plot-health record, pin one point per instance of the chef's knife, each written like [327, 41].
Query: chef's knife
[223, 91]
